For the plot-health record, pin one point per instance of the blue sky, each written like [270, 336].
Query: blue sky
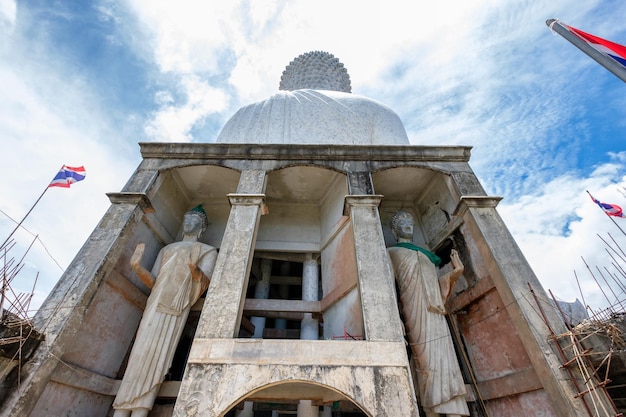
[84, 82]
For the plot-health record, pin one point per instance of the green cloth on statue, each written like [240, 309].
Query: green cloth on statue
[433, 258]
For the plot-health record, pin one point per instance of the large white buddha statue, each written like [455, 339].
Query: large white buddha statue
[315, 106]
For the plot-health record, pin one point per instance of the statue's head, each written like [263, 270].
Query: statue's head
[402, 224]
[195, 221]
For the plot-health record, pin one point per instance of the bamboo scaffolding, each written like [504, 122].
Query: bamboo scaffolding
[595, 358]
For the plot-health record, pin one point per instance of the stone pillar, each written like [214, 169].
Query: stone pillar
[248, 410]
[309, 327]
[376, 282]
[283, 293]
[221, 314]
[262, 291]
[305, 409]
[310, 292]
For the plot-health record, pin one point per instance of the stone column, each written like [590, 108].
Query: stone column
[262, 291]
[376, 282]
[310, 292]
[283, 293]
[221, 314]
[305, 409]
[248, 410]
[309, 326]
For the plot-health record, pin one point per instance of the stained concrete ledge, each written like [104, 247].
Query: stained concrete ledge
[305, 152]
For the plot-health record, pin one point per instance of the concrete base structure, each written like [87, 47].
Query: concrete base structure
[293, 204]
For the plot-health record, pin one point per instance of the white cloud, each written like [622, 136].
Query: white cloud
[263, 37]
[188, 35]
[173, 123]
[8, 10]
[558, 225]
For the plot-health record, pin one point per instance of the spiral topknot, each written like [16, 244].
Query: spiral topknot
[316, 70]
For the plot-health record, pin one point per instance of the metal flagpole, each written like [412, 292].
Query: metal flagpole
[615, 223]
[24, 218]
[601, 59]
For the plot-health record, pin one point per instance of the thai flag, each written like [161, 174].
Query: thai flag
[610, 209]
[609, 49]
[68, 176]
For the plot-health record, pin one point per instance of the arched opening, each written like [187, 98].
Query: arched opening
[208, 185]
[424, 193]
[296, 398]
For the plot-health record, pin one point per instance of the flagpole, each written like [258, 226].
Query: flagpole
[601, 59]
[615, 223]
[24, 218]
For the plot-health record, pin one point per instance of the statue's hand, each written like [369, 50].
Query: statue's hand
[198, 275]
[135, 260]
[192, 263]
[195, 271]
[135, 263]
[456, 260]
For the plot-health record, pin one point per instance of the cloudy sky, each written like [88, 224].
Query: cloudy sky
[83, 82]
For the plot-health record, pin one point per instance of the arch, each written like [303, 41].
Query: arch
[301, 183]
[207, 181]
[429, 194]
[297, 389]
[322, 164]
[304, 202]
[404, 183]
[175, 190]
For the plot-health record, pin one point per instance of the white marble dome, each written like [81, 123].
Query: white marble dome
[315, 107]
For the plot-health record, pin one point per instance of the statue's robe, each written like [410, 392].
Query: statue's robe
[163, 321]
[440, 383]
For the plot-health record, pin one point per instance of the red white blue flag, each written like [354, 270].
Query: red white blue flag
[610, 209]
[613, 50]
[68, 176]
